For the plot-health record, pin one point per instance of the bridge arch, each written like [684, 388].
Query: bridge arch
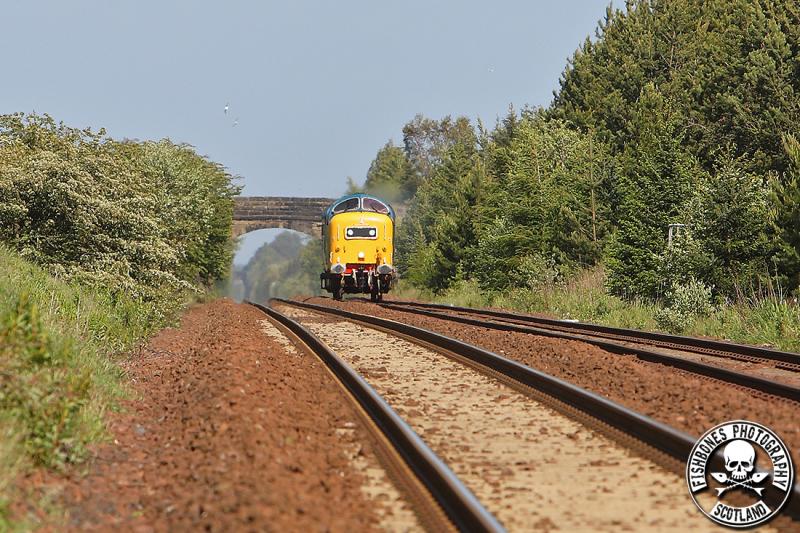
[252, 213]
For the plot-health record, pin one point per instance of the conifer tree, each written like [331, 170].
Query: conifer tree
[425, 142]
[387, 173]
[732, 224]
[785, 198]
[439, 227]
[655, 182]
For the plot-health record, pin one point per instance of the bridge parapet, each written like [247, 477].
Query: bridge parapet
[251, 213]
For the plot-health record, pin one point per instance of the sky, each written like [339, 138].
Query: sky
[313, 88]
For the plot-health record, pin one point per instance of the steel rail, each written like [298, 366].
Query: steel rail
[755, 383]
[455, 499]
[684, 343]
[655, 434]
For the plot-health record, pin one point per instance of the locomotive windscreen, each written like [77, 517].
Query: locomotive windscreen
[371, 204]
[351, 204]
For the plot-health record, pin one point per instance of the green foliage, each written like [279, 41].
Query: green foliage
[677, 112]
[425, 143]
[684, 260]
[785, 201]
[761, 319]
[547, 203]
[494, 259]
[432, 242]
[44, 396]
[195, 197]
[551, 202]
[766, 319]
[655, 184]
[729, 66]
[149, 220]
[287, 266]
[124, 230]
[537, 271]
[684, 303]
[387, 174]
[732, 222]
[58, 342]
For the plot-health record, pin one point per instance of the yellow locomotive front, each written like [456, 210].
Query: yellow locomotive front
[358, 246]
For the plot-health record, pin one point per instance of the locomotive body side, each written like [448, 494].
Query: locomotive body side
[358, 247]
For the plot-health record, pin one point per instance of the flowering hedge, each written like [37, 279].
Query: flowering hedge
[151, 219]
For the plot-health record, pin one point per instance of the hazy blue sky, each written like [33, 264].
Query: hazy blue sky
[317, 86]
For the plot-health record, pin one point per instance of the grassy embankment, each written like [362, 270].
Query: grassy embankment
[59, 345]
[770, 320]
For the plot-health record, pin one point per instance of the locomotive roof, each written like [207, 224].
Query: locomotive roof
[329, 211]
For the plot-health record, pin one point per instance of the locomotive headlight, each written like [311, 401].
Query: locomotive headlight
[349, 232]
[338, 268]
[361, 255]
[372, 232]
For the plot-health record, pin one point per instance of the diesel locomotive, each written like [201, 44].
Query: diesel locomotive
[358, 246]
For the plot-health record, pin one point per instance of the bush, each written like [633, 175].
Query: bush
[56, 368]
[683, 261]
[38, 389]
[58, 374]
[537, 270]
[149, 220]
[685, 302]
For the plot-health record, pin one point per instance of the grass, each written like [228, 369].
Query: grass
[59, 347]
[769, 320]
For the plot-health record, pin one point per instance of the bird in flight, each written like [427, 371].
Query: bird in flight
[236, 122]
[227, 106]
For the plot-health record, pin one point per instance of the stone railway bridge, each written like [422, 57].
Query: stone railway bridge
[251, 213]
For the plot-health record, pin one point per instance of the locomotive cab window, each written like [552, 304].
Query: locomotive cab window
[371, 204]
[348, 205]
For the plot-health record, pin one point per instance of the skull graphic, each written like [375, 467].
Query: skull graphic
[740, 458]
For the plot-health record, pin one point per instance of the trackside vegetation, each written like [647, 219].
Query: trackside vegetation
[288, 265]
[101, 243]
[766, 320]
[665, 170]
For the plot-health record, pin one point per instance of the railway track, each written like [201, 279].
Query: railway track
[752, 354]
[460, 507]
[628, 341]
[653, 439]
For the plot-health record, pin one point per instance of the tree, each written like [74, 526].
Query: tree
[655, 182]
[425, 142]
[147, 219]
[387, 173]
[727, 66]
[286, 266]
[552, 201]
[785, 202]
[438, 230]
[732, 224]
